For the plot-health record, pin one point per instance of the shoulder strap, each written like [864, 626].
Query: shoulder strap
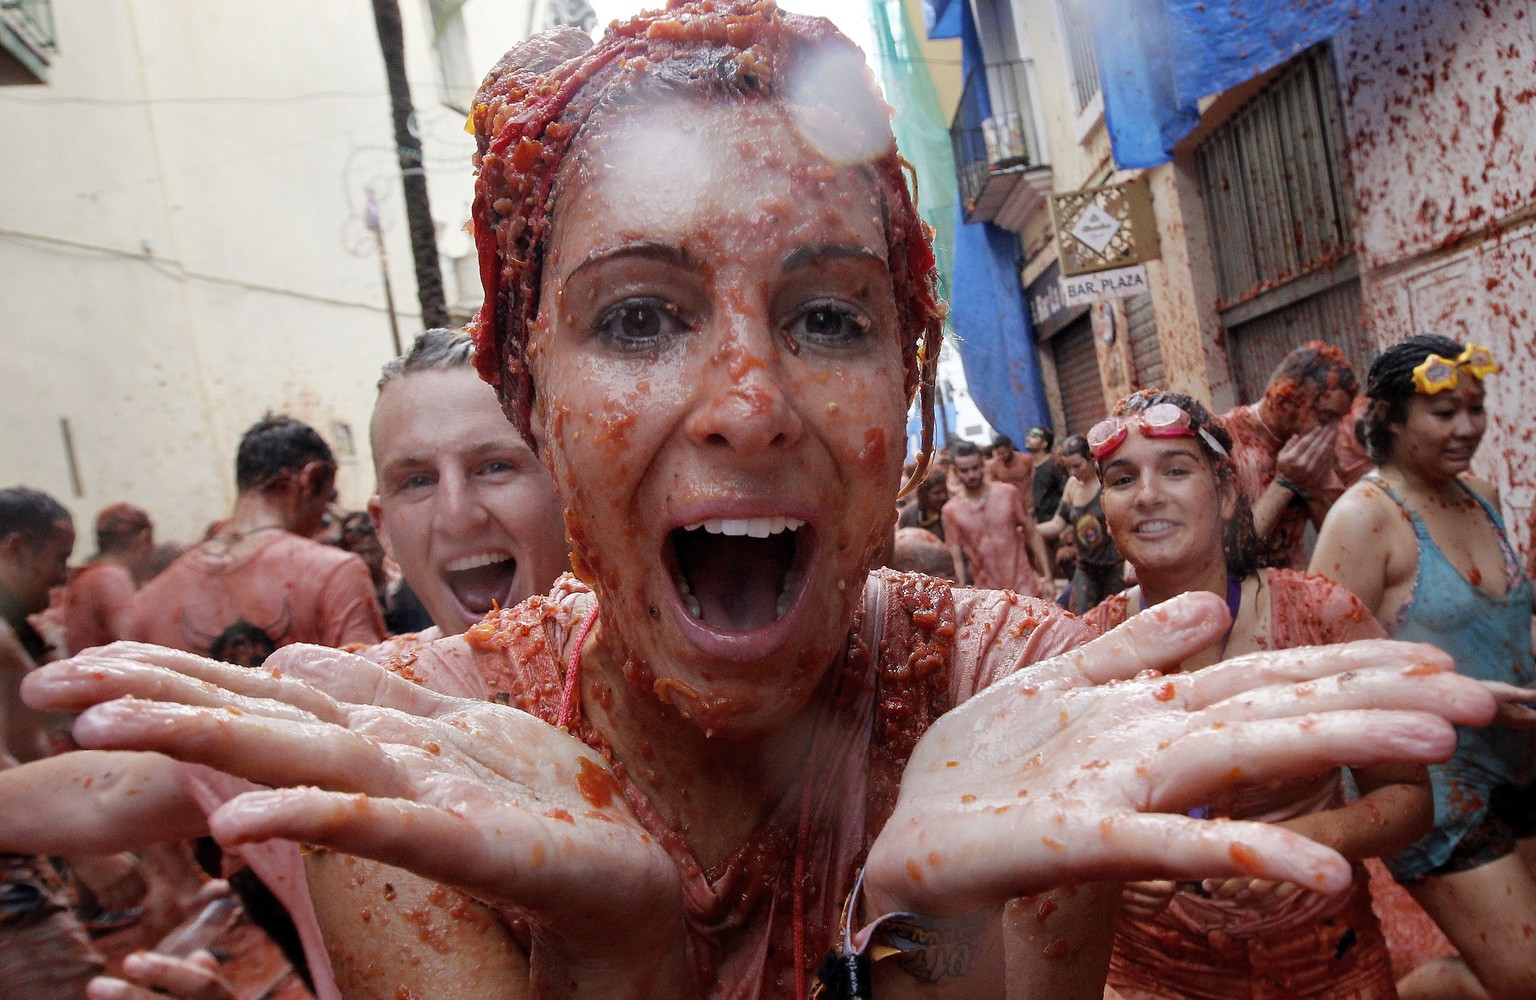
[913, 642]
[1419, 528]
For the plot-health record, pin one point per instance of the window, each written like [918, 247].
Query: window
[1077, 40]
[455, 70]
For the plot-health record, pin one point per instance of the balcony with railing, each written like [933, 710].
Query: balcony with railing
[27, 41]
[993, 134]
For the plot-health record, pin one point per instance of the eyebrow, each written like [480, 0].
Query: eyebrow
[480, 449]
[816, 252]
[651, 249]
[1163, 454]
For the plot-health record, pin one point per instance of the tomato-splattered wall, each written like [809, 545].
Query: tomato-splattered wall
[1439, 100]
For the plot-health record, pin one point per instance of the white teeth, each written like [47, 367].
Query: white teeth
[691, 605]
[476, 561]
[752, 527]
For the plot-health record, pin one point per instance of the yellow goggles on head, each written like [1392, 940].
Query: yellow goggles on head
[1436, 374]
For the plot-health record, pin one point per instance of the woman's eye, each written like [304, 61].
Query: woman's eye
[828, 322]
[639, 322]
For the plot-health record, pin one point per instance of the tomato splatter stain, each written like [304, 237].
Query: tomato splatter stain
[1245, 858]
[595, 783]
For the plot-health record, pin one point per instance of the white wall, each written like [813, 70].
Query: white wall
[182, 242]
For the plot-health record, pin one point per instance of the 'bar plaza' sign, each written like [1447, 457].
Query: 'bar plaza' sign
[1120, 283]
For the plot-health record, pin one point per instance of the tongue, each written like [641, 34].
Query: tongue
[736, 580]
[477, 589]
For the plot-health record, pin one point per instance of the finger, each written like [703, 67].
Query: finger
[1516, 715]
[1288, 666]
[352, 679]
[76, 684]
[268, 750]
[112, 988]
[86, 684]
[1180, 848]
[1448, 695]
[1208, 761]
[1224, 888]
[181, 977]
[1116, 848]
[1159, 638]
[1510, 692]
[408, 835]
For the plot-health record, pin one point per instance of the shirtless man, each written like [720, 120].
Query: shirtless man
[461, 502]
[37, 535]
[989, 526]
[1014, 467]
[99, 596]
[260, 570]
[470, 515]
[44, 952]
[1285, 448]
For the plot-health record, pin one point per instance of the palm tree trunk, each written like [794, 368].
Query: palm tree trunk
[418, 211]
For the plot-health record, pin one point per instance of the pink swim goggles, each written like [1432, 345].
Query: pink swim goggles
[1161, 420]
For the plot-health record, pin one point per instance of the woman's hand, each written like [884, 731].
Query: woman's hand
[475, 795]
[149, 975]
[1145, 900]
[1517, 705]
[1082, 768]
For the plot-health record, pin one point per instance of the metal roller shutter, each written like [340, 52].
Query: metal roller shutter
[1277, 197]
[1077, 374]
[1333, 316]
[1146, 355]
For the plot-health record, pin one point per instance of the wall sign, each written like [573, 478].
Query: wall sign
[1100, 286]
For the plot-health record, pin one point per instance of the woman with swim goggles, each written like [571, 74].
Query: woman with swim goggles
[1174, 509]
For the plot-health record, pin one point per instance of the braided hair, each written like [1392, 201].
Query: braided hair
[1390, 386]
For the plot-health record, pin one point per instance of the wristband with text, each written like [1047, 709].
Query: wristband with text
[845, 974]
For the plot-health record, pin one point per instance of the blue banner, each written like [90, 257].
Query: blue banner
[942, 18]
[995, 339]
[1157, 58]
[987, 310]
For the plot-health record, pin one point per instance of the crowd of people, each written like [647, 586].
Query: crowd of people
[636, 679]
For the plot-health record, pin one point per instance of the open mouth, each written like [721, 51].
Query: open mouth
[481, 581]
[739, 575]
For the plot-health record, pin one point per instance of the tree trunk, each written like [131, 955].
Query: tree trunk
[418, 212]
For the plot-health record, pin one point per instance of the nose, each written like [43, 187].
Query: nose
[742, 401]
[458, 506]
[1149, 491]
